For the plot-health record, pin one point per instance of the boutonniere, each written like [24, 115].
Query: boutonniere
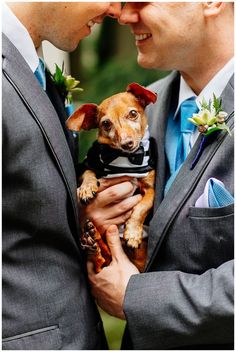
[66, 85]
[210, 120]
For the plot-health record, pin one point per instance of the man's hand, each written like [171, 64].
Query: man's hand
[113, 203]
[109, 286]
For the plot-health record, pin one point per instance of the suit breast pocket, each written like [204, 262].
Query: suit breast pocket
[47, 338]
[213, 229]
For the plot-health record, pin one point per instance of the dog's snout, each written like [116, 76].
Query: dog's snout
[128, 145]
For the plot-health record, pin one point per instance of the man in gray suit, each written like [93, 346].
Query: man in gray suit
[46, 302]
[184, 299]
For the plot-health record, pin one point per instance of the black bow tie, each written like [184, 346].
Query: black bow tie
[109, 154]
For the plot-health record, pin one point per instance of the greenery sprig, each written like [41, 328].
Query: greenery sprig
[66, 84]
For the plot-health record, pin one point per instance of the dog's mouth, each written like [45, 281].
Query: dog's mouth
[126, 148]
[130, 147]
[130, 150]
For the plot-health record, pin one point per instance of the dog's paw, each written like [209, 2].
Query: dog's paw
[133, 242]
[97, 251]
[133, 235]
[88, 238]
[87, 192]
[89, 227]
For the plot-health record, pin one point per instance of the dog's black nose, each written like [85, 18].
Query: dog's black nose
[127, 145]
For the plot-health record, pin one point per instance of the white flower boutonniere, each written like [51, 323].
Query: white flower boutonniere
[210, 119]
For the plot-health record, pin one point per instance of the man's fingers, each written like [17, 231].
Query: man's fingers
[108, 182]
[125, 205]
[114, 243]
[90, 269]
[115, 194]
[114, 212]
[119, 220]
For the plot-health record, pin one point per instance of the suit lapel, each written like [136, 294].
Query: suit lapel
[158, 113]
[185, 182]
[59, 107]
[21, 77]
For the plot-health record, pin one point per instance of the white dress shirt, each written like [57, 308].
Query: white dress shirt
[216, 86]
[20, 38]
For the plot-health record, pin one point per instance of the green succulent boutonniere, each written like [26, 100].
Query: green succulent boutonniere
[209, 120]
[211, 117]
[66, 84]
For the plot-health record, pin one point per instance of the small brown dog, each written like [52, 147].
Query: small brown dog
[122, 147]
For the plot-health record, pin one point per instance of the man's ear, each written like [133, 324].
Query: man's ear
[145, 96]
[212, 8]
[83, 118]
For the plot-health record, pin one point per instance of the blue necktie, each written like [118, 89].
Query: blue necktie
[69, 109]
[187, 109]
[178, 137]
[40, 74]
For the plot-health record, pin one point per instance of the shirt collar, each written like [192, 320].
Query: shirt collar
[19, 36]
[216, 86]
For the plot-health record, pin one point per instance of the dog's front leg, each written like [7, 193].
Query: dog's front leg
[89, 187]
[134, 226]
[97, 250]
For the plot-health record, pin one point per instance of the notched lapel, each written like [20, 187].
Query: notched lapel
[157, 116]
[42, 110]
[185, 182]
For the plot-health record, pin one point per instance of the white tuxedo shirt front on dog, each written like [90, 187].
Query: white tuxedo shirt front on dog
[124, 162]
[109, 162]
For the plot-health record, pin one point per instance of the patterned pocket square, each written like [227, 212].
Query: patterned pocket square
[215, 195]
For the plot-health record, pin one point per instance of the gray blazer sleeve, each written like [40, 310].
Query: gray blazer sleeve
[168, 309]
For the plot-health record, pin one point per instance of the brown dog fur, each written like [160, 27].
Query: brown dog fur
[121, 123]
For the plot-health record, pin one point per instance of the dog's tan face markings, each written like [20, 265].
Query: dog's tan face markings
[122, 122]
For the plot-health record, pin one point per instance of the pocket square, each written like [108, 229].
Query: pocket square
[215, 195]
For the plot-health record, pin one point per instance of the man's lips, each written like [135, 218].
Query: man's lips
[91, 23]
[142, 36]
[97, 20]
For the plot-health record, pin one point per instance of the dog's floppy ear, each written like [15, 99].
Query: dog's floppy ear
[144, 95]
[83, 118]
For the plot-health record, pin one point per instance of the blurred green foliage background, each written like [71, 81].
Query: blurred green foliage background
[105, 63]
[114, 329]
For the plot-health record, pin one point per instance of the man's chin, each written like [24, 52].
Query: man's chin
[67, 48]
[145, 62]
[69, 45]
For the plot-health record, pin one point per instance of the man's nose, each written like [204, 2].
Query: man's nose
[129, 14]
[114, 10]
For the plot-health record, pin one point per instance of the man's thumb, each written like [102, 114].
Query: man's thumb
[114, 243]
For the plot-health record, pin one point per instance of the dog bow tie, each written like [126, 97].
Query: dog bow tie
[109, 154]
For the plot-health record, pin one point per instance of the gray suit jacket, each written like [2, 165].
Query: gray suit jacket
[184, 300]
[46, 301]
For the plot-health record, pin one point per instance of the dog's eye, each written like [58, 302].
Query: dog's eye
[107, 125]
[133, 114]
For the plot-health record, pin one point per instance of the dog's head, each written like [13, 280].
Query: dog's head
[120, 119]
